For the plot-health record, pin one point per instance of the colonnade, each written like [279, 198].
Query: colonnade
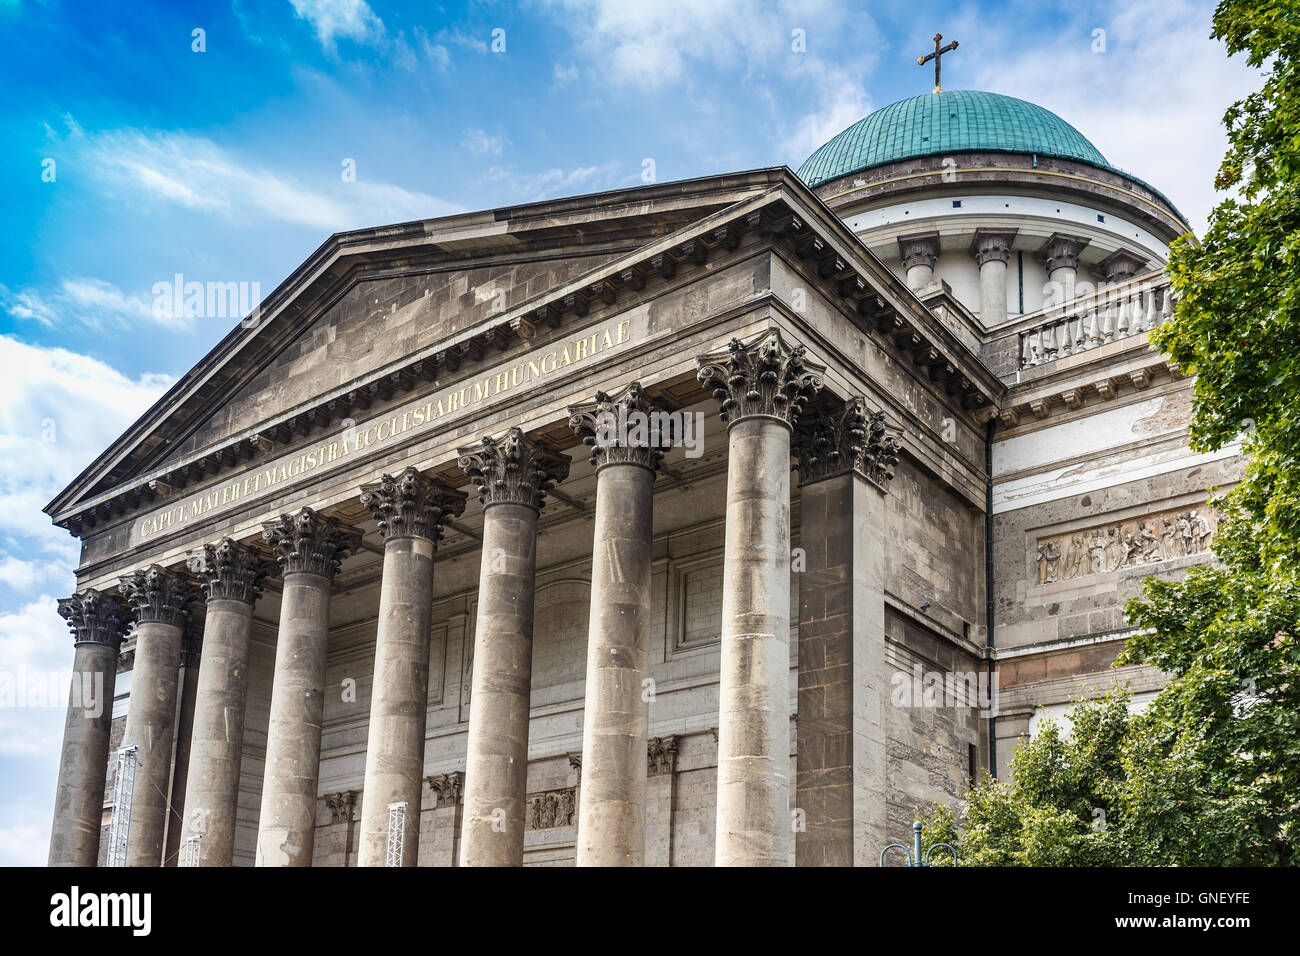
[763, 386]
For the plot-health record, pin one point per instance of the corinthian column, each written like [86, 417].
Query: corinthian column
[309, 548]
[992, 251]
[762, 385]
[846, 459]
[625, 453]
[512, 475]
[919, 254]
[410, 510]
[231, 574]
[159, 599]
[97, 622]
[1060, 254]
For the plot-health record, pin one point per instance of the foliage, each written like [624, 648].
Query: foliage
[1209, 774]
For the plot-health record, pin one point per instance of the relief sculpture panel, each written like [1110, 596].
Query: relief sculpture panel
[555, 808]
[1125, 544]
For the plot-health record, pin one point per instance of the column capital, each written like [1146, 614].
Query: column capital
[307, 541]
[1061, 251]
[95, 618]
[411, 505]
[919, 250]
[760, 378]
[661, 755]
[828, 441]
[156, 594]
[619, 428]
[513, 469]
[447, 788]
[1121, 265]
[879, 453]
[229, 569]
[341, 806]
[992, 245]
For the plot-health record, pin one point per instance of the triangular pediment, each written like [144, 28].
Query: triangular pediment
[380, 314]
[366, 298]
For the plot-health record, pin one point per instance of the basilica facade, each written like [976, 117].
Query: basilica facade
[728, 521]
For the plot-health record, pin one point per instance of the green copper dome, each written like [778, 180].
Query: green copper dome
[952, 121]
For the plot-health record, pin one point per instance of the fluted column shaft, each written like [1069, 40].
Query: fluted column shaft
[97, 623]
[612, 811]
[512, 476]
[410, 509]
[159, 599]
[762, 386]
[308, 548]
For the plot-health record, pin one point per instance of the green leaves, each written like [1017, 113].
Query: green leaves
[1209, 774]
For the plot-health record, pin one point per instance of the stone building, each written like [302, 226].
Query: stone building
[723, 521]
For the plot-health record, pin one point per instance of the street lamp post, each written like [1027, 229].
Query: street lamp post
[914, 857]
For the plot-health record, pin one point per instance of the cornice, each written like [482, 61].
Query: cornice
[1098, 379]
[333, 264]
[871, 293]
[983, 169]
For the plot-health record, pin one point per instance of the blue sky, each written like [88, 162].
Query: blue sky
[227, 164]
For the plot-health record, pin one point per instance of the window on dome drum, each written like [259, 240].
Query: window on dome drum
[956, 204]
[1101, 218]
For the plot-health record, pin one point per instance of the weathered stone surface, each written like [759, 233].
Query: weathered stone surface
[512, 475]
[309, 549]
[761, 377]
[410, 510]
[512, 470]
[160, 600]
[327, 360]
[97, 623]
[842, 772]
[612, 821]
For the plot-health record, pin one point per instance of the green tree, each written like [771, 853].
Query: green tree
[1214, 774]
[1210, 773]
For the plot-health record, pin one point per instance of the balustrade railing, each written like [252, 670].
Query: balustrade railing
[1089, 321]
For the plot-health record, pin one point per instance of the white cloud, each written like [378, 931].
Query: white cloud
[349, 19]
[35, 668]
[843, 101]
[22, 575]
[24, 836]
[35, 665]
[54, 420]
[789, 52]
[88, 302]
[1152, 102]
[476, 44]
[435, 53]
[565, 75]
[550, 183]
[482, 143]
[193, 172]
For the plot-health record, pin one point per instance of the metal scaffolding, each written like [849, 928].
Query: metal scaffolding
[396, 833]
[190, 850]
[119, 830]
